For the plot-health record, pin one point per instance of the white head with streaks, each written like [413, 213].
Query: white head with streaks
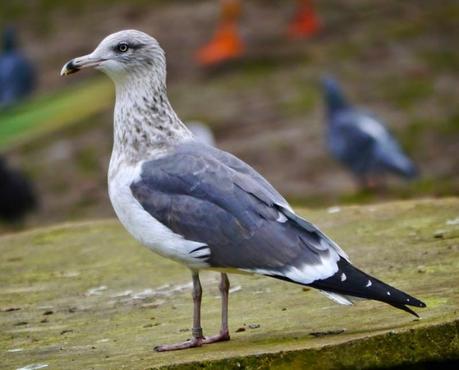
[144, 121]
[124, 54]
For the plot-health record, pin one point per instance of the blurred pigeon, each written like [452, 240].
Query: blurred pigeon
[17, 196]
[202, 132]
[17, 77]
[360, 141]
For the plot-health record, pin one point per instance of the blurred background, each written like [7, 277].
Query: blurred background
[263, 101]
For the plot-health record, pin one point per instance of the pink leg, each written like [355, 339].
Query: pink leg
[224, 332]
[198, 339]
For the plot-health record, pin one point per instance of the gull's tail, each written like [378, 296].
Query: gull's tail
[349, 281]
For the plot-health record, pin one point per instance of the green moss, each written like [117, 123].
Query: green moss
[382, 351]
[358, 197]
[258, 68]
[87, 160]
[305, 99]
[451, 124]
[64, 269]
[436, 301]
[404, 92]
[440, 186]
[406, 30]
[345, 50]
[441, 60]
[411, 134]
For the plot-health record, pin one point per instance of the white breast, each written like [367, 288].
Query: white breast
[145, 228]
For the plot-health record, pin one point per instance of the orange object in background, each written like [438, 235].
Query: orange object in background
[305, 22]
[227, 44]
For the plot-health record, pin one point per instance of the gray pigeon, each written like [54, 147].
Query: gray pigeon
[360, 141]
[204, 207]
[17, 76]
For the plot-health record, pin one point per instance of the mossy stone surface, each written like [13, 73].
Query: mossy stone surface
[87, 296]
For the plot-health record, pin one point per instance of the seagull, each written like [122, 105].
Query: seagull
[204, 207]
[17, 76]
[360, 141]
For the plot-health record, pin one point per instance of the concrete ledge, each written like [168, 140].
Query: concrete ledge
[86, 296]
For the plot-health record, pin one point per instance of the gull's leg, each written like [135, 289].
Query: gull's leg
[224, 332]
[198, 339]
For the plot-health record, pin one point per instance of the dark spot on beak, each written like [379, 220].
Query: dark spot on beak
[70, 68]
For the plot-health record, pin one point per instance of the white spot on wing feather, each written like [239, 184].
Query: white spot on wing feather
[281, 218]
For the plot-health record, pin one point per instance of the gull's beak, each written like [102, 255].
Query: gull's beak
[74, 65]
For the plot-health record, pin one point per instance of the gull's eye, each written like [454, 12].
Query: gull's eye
[122, 47]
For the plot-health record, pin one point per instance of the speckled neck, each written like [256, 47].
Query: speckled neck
[145, 124]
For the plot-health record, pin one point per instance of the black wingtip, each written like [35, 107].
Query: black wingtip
[411, 301]
[418, 303]
[353, 282]
[405, 308]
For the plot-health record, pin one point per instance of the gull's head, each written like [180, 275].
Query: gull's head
[122, 54]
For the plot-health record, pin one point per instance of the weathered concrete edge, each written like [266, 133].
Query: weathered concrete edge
[426, 344]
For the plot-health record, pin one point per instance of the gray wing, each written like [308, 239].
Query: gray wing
[209, 196]
[257, 185]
